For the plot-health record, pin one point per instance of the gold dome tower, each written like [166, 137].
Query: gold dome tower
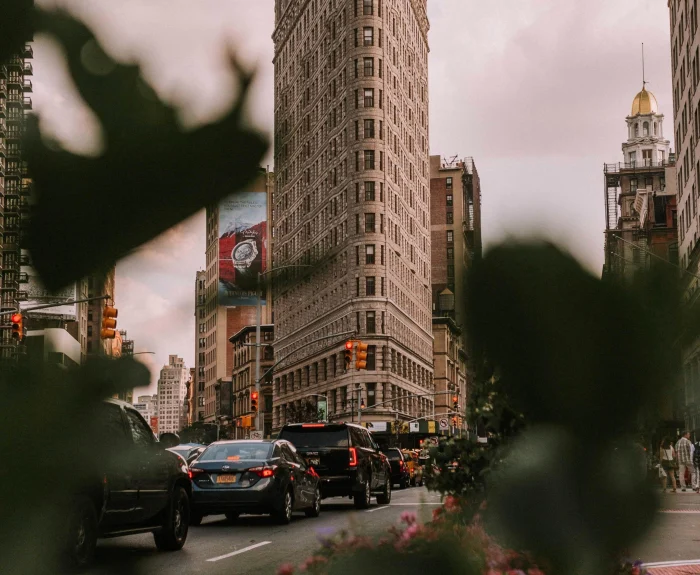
[644, 103]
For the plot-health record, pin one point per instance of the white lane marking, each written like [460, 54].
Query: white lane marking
[250, 548]
[377, 509]
[673, 563]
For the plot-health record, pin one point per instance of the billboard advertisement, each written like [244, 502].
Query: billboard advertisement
[37, 295]
[242, 247]
[154, 424]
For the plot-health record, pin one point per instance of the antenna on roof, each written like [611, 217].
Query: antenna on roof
[644, 81]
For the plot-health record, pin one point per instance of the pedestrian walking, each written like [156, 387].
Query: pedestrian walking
[696, 466]
[667, 456]
[684, 454]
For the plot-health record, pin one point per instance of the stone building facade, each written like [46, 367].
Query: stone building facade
[352, 202]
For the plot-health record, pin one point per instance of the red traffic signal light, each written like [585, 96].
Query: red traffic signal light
[254, 400]
[109, 322]
[455, 402]
[17, 327]
[348, 354]
[361, 356]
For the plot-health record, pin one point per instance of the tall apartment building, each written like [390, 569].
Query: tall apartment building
[15, 186]
[685, 59]
[352, 201]
[172, 390]
[455, 213]
[237, 248]
[199, 380]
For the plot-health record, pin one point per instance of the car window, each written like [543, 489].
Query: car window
[393, 454]
[236, 452]
[140, 432]
[110, 430]
[288, 453]
[322, 436]
[276, 452]
[358, 439]
[370, 440]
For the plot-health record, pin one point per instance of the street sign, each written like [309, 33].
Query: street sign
[444, 424]
[256, 434]
[414, 427]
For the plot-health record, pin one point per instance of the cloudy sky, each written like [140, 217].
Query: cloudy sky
[535, 90]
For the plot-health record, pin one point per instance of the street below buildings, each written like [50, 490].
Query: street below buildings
[255, 544]
[673, 545]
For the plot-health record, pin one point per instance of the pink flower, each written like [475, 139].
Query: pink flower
[285, 569]
[411, 531]
[436, 513]
[408, 517]
[635, 571]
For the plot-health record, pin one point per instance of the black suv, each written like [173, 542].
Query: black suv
[132, 484]
[399, 471]
[346, 458]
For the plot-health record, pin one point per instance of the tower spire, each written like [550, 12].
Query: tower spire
[644, 81]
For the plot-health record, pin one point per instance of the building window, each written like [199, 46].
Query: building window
[369, 66]
[368, 36]
[369, 159]
[450, 270]
[369, 286]
[369, 191]
[633, 184]
[369, 128]
[367, 7]
[371, 358]
[89, 331]
[450, 218]
[371, 389]
[450, 236]
[369, 254]
[369, 98]
[645, 129]
[450, 254]
[370, 322]
[448, 183]
[449, 199]
[369, 223]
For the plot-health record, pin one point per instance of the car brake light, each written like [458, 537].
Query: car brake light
[313, 425]
[401, 464]
[353, 457]
[263, 471]
[312, 472]
[194, 471]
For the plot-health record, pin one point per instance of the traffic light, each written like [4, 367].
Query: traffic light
[361, 356]
[348, 354]
[454, 422]
[109, 322]
[17, 329]
[254, 401]
[455, 402]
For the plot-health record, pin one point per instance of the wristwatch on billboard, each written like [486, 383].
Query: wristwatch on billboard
[244, 254]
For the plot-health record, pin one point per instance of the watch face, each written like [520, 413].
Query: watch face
[242, 252]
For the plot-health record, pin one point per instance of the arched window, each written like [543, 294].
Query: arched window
[636, 130]
[646, 128]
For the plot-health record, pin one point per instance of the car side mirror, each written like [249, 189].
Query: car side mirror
[168, 440]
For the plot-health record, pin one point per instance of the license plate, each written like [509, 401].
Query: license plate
[226, 479]
[313, 461]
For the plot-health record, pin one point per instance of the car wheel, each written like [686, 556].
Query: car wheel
[82, 534]
[283, 514]
[315, 509]
[385, 497]
[363, 499]
[173, 534]
[232, 516]
[195, 518]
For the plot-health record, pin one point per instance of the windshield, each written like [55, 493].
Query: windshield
[237, 452]
[316, 436]
[181, 450]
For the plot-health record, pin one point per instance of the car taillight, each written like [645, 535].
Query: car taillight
[401, 464]
[353, 457]
[312, 472]
[194, 471]
[263, 471]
